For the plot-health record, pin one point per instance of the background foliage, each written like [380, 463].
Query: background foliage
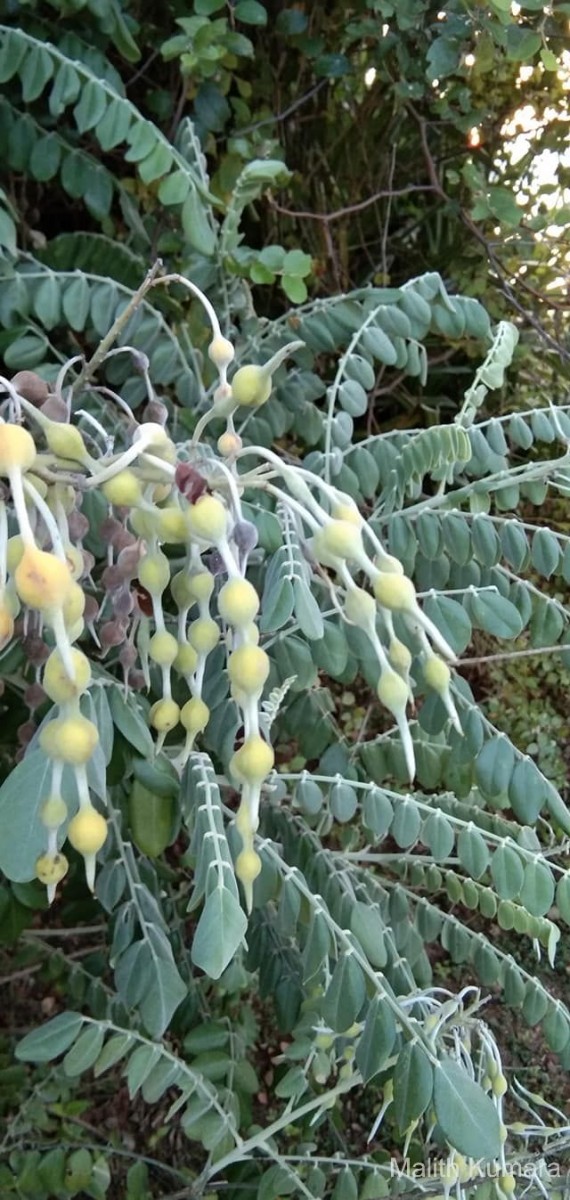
[246, 146]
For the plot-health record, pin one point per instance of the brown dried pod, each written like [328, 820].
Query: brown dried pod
[78, 525]
[34, 696]
[123, 602]
[111, 578]
[128, 656]
[26, 732]
[156, 412]
[91, 611]
[112, 633]
[109, 528]
[88, 562]
[189, 481]
[128, 560]
[55, 408]
[137, 681]
[35, 650]
[123, 538]
[31, 386]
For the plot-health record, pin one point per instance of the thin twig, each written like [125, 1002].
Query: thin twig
[90, 367]
[386, 193]
[485, 658]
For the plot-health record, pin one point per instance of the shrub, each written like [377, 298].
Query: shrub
[188, 586]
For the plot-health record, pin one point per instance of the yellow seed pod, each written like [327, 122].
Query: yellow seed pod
[390, 565]
[203, 635]
[75, 561]
[124, 489]
[229, 443]
[58, 685]
[194, 715]
[51, 868]
[340, 539]
[154, 573]
[507, 1183]
[399, 655]
[17, 449]
[74, 606]
[164, 715]
[66, 442]
[208, 520]
[14, 552]
[248, 866]
[250, 634]
[181, 589]
[437, 674]
[87, 831]
[221, 352]
[243, 822]
[393, 692]
[253, 761]
[186, 659]
[248, 669]
[62, 494]
[347, 512]
[395, 592]
[53, 811]
[201, 585]
[251, 386]
[163, 648]
[499, 1085]
[172, 524]
[42, 580]
[39, 484]
[6, 625]
[238, 602]
[69, 739]
[160, 492]
[360, 608]
[142, 523]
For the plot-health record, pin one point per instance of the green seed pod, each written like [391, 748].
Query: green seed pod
[395, 592]
[51, 868]
[151, 820]
[208, 520]
[186, 659]
[248, 669]
[254, 761]
[194, 715]
[154, 573]
[124, 489]
[164, 715]
[53, 811]
[360, 608]
[238, 602]
[339, 539]
[163, 648]
[251, 386]
[203, 635]
[66, 442]
[437, 674]
[393, 692]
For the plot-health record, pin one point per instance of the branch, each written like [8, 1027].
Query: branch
[386, 193]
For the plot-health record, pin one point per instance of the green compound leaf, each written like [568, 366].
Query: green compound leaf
[537, 891]
[50, 1040]
[84, 1052]
[413, 1084]
[495, 615]
[467, 1116]
[345, 994]
[220, 932]
[377, 1041]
